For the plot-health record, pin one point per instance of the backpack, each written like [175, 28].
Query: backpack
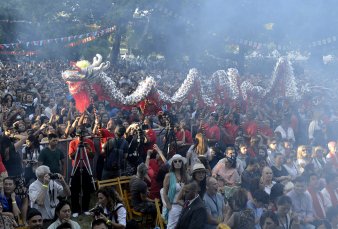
[131, 224]
[114, 154]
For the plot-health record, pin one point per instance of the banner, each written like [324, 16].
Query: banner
[19, 53]
[92, 36]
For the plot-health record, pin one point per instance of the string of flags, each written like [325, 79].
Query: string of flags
[86, 37]
[19, 53]
[255, 44]
[15, 21]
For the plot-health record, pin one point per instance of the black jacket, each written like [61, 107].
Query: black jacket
[194, 216]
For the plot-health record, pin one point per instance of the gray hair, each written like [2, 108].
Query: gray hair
[42, 170]
[142, 170]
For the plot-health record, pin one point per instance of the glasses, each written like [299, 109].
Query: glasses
[274, 143]
[177, 161]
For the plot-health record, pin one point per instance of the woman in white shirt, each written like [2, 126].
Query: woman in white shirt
[62, 215]
[110, 208]
[199, 149]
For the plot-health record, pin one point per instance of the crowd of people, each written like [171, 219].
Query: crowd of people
[243, 164]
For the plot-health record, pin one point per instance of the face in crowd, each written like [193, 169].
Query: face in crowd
[35, 222]
[9, 186]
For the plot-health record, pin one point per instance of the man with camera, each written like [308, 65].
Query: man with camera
[81, 180]
[45, 191]
[141, 138]
[115, 152]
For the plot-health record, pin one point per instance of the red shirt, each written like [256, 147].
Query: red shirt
[155, 187]
[332, 158]
[188, 136]
[213, 132]
[89, 145]
[105, 135]
[151, 136]
[2, 166]
[267, 131]
[232, 130]
[250, 128]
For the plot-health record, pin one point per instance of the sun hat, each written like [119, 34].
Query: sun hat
[177, 157]
[198, 167]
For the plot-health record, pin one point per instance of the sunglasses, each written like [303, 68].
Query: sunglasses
[177, 161]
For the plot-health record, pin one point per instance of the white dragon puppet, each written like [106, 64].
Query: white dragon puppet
[85, 78]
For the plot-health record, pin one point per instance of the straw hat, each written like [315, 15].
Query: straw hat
[177, 157]
[198, 167]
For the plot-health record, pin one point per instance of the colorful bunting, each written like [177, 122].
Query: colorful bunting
[92, 36]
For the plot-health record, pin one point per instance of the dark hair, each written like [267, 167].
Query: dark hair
[35, 142]
[9, 178]
[261, 196]
[33, 212]
[164, 169]
[271, 215]
[284, 200]
[64, 225]
[120, 130]
[240, 198]
[277, 190]
[5, 142]
[252, 161]
[202, 185]
[51, 136]
[111, 195]
[58, 208]
[270, 140]
[5, 99]
[205, 162]
[242, 144]
[98, 222]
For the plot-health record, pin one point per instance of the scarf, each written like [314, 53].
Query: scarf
[333, 196]
[316, 203]
[171, 193]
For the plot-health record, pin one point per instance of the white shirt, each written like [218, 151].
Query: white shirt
[121, 214]
[286, 134]
[49, 111]
[327, 198]
[314, 125]
[54, 190]
[57, 223]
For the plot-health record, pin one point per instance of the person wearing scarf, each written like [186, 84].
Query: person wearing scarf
[317, 196]
[330, 192]
[172, 185]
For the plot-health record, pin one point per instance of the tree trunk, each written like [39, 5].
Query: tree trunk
[116, 46]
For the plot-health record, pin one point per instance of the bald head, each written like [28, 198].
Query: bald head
[212, 186]
[191, 190]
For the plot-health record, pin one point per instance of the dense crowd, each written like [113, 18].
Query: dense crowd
[243, 164]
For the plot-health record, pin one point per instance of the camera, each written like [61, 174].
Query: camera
[53, 176]
[97, 210]
[168, 119]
